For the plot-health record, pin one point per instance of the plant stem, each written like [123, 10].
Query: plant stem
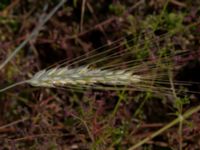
[13, 85]
[174, 122]
[34, 32]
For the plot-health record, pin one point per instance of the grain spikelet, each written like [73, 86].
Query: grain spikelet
[82, 76]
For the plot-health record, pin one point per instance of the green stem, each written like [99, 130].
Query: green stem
[162, 14]
[174, 122]
[118, 104]
[180, 131]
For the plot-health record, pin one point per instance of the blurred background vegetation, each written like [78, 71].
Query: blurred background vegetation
[42, 118]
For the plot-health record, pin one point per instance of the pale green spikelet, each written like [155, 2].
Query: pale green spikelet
[82, 76]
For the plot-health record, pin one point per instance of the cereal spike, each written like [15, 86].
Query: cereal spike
[82, 76]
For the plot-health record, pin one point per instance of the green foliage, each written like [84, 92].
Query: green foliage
[117, 9]
[118, 134]
[179, 102]
[75, 3]
[170, 21]
[4, 3]
[12, 23]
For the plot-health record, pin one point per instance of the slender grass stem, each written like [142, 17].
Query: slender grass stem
[35, 32]
[180, 132]
[174, 122]
[121, 98]
[13, 85]
[180, 111]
